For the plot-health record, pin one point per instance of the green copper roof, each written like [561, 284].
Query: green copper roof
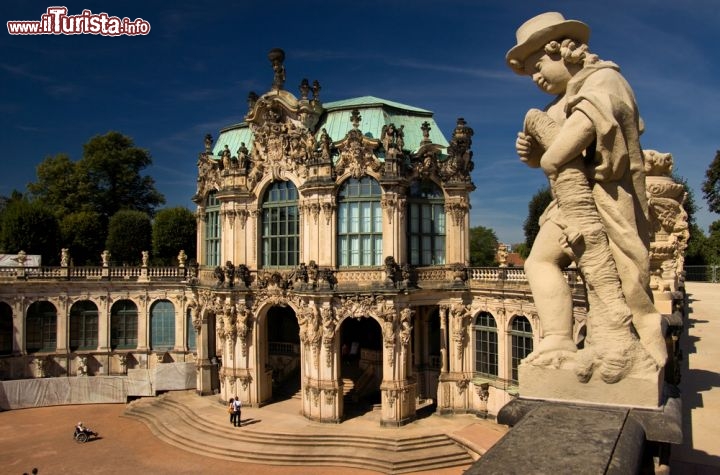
[375, 113]
[233, 136]
[366, 101]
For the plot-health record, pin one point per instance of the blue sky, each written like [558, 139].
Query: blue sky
[191, 75]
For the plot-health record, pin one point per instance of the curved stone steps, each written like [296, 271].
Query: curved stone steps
[205, 430]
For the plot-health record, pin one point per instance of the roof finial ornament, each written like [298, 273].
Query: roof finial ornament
[425, 127]
[276, 57]
[355, 118]
[251, 100]
[304, 89]
[316, 90]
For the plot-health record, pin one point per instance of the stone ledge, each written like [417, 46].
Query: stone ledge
[552, 384]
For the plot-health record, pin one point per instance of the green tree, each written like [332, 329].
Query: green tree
[538, 203]
[129, 233]
[84, 233]
[696, 253]
[711, 185]
[173, 229]
[59, 186]
[32, 228]
[106, 179]
[713, 244]
[483, 246]
[522, 249]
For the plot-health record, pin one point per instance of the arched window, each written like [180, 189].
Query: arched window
[280, 226]
[486, 345]
[212, 230]
[190, 329]
[162, 325]
[123, 325]
[359, 223]
[6, 329]
[426, 224]
[41, 327]
[522, 342]
[83, 326]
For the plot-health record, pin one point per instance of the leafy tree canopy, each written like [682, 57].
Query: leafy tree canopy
[129, 235]
[174, 229]
[83, 233]
[483, 246]
[105, 180]
[32, 228]
[536, 207]
[711, 185]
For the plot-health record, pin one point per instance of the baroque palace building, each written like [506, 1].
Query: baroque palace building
[332, 262]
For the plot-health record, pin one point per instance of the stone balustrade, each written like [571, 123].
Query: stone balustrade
[475, 275]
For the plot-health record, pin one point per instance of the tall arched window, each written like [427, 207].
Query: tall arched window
[6, 329]
[123, 325]
[359, 223]
[41, 327]
[281, 226]
[486, 345]
[83, 326]
[522, 343]
[212, 230]
[162, 325]
[190, 329]
[426, 224]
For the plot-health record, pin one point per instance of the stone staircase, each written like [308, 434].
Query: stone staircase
[201, 425]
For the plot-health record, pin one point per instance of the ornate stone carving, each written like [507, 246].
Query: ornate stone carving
[329, 324]
[330, 394]
[459, 164]
[460, 315]
[669, 222]
[457, 207]
[357, 152]
[243, 326]
[328, 209]
[405, 326]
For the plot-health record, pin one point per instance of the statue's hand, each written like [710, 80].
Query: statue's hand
[528, 150]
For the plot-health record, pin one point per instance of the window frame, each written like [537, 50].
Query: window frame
[485, 359]
[213, 231]
[280, 249]
[83, 326]
[521, 343]
[358, 203]
[162, 325]
[46, 334]
[127, 319]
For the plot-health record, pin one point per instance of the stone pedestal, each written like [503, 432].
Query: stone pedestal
[562, 385]
[398, 403]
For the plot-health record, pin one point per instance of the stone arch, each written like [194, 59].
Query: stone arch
[267, 180]
[348, 175]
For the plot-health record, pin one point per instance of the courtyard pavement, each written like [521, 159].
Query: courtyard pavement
[42, 437]
[700, 385]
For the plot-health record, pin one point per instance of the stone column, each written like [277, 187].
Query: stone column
[104, 325]
[204, 366]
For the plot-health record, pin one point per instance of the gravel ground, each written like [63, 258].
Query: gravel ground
[41, 438]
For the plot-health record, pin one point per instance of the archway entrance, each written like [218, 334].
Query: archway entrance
[283, 352]
[361, 365]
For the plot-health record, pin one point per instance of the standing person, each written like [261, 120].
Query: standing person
[231, 410]
[587, 143]
[237, 406]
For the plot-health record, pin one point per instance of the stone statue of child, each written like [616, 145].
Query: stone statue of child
[587, 143]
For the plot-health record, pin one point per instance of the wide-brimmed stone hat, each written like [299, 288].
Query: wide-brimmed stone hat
[540, 30]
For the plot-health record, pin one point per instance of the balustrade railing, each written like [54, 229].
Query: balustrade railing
[206, 276]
